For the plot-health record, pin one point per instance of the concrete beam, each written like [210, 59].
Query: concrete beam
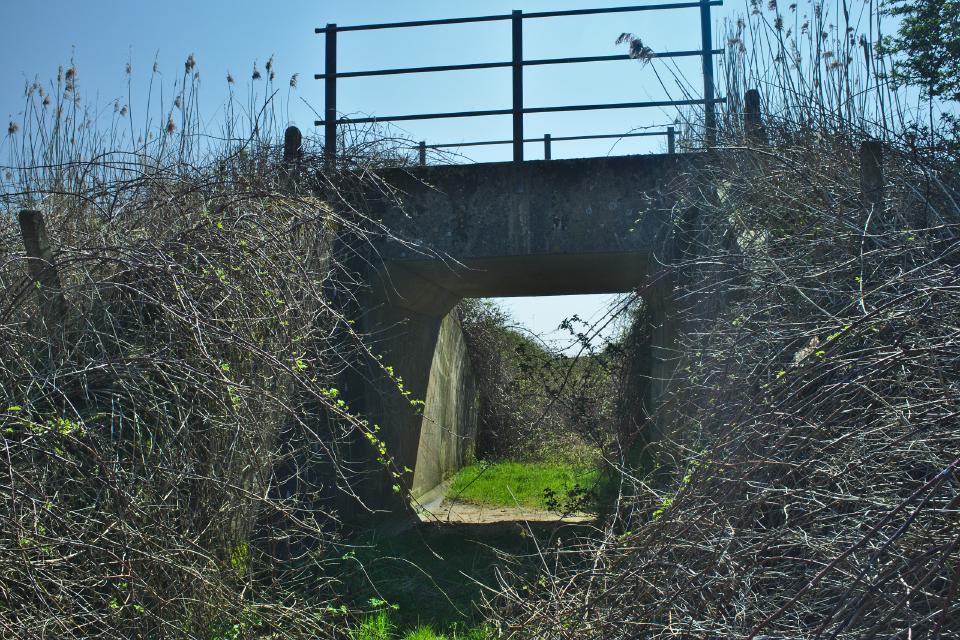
[532, 275]
[466, 213]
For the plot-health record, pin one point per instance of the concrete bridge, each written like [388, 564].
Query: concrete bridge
[501, 229]
[535, 228]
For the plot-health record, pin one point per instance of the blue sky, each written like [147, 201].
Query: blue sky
[101, 36]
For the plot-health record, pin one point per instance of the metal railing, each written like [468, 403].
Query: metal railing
[517, 64]
[548, 141]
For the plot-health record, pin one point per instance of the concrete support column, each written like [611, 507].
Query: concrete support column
[423, 397]
[405, 341]
[448, 428]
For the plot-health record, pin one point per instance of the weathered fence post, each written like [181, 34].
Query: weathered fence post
[547, 151]
[871, 173]
[423, 153]
[671, 140]
[43, 272]
[292, 155]
[752, 118]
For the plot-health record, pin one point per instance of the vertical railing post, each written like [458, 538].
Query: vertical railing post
[423, 153]
[517, 86]
[671, 140]
[330, 90]
[706, 37]
[547, 153]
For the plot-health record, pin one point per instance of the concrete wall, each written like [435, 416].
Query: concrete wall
[536, 208]
[449, 426]
[420, 339]
[534, 228]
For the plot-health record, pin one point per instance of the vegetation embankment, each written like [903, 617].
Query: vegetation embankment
[174, 440]
[175, 445]
[803, 479]
[804, 483]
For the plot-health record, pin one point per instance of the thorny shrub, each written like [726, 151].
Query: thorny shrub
[172, 438]
[806, 483]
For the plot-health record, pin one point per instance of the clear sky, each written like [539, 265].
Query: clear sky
[102, 36]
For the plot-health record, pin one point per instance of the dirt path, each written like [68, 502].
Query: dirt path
[437, 508]
[463, 512]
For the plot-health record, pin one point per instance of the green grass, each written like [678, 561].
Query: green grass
[545, 485]
[379, 627]
[423, 633]
[376, 626]
[455, 633]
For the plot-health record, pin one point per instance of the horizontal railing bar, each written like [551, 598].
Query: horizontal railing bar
[561, 139]
[622, 56]
[642, 7]
[504, 112]
[390, 72]
[417, 23]
[495, 65]
[477, 144]
[617, 105]
[421, 116]
[507, 16]
[608, 136]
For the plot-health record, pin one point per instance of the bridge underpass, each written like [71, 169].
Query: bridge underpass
[538, 228]
[521, 228]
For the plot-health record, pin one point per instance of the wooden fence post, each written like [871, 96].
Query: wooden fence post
[292, 155]
[752, 118]
[43, 272]
[871, 173]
